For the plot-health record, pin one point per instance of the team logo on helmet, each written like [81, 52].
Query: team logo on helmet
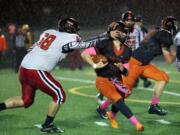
[69, 25]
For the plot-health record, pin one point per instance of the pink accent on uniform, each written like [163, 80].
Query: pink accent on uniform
[90, 51]
[126, 65]
[120, 87]
[105, 104]
[112, 114]
[133, 120]
[155, 100]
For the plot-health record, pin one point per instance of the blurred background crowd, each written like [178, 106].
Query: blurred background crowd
[23, 20]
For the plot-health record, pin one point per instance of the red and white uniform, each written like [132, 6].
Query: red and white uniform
[48, 50]
[135, 37]
[36, 65]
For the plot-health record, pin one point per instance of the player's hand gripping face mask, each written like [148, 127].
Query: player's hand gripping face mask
[116, 31]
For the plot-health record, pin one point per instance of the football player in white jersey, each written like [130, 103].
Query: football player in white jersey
[177, 43]
[34, 72]
[135, 37]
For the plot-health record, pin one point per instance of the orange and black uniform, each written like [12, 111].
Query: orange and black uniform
[103, 83]
[139, 63]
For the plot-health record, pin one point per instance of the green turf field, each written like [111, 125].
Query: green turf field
[78, 116]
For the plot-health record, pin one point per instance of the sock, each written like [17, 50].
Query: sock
[144, 78]
[155, 100]
[2, 106]
[112, 114]
[114, 109]
[48, 120]
[124, 109]
[105, 104]
[134, 120]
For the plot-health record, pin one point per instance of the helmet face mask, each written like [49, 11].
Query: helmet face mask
[170, 24]
[69, 25]
[129, 19]
[128, 15]
[118, 28]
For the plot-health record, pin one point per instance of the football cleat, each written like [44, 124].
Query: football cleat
[139, 127]
[156, 109]
[147, 84]
[112, 120]
[51, 128]
[101, 112]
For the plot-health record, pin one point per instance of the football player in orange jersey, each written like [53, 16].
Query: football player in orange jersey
[156, 43]
[108, 80]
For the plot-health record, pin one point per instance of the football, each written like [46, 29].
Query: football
[98, 58]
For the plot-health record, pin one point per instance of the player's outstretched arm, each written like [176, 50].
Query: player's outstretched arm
[77, 45]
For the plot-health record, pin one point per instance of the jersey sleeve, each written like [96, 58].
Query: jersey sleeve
[90, 51]
[100, 44]
[177, 39]
[164, 38]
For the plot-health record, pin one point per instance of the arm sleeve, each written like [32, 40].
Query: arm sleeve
[177, 39]
[177, 43]
[138, 36]
[90, 51]
[77, 45]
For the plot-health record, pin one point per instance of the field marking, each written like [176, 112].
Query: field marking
[76, 92]
[93, 82]
[38, 126]
[162, 121]
[101, 124]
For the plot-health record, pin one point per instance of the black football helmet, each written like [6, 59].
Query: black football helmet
[119, 26]
[170, 24]
[69, 25]
[128, 15]
[116, 26]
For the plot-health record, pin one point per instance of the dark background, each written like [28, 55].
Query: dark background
[90, 13]
[93, 15]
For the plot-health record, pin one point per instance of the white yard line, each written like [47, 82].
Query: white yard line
[162, 121]
[101, 124]
[92, 82]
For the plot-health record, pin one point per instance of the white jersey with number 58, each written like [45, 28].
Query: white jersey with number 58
[47, 52]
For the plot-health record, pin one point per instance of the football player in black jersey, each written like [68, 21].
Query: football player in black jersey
[109, 75]
[156, 43]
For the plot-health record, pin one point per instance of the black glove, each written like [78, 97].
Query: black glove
[124, 71]
[66, 49]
